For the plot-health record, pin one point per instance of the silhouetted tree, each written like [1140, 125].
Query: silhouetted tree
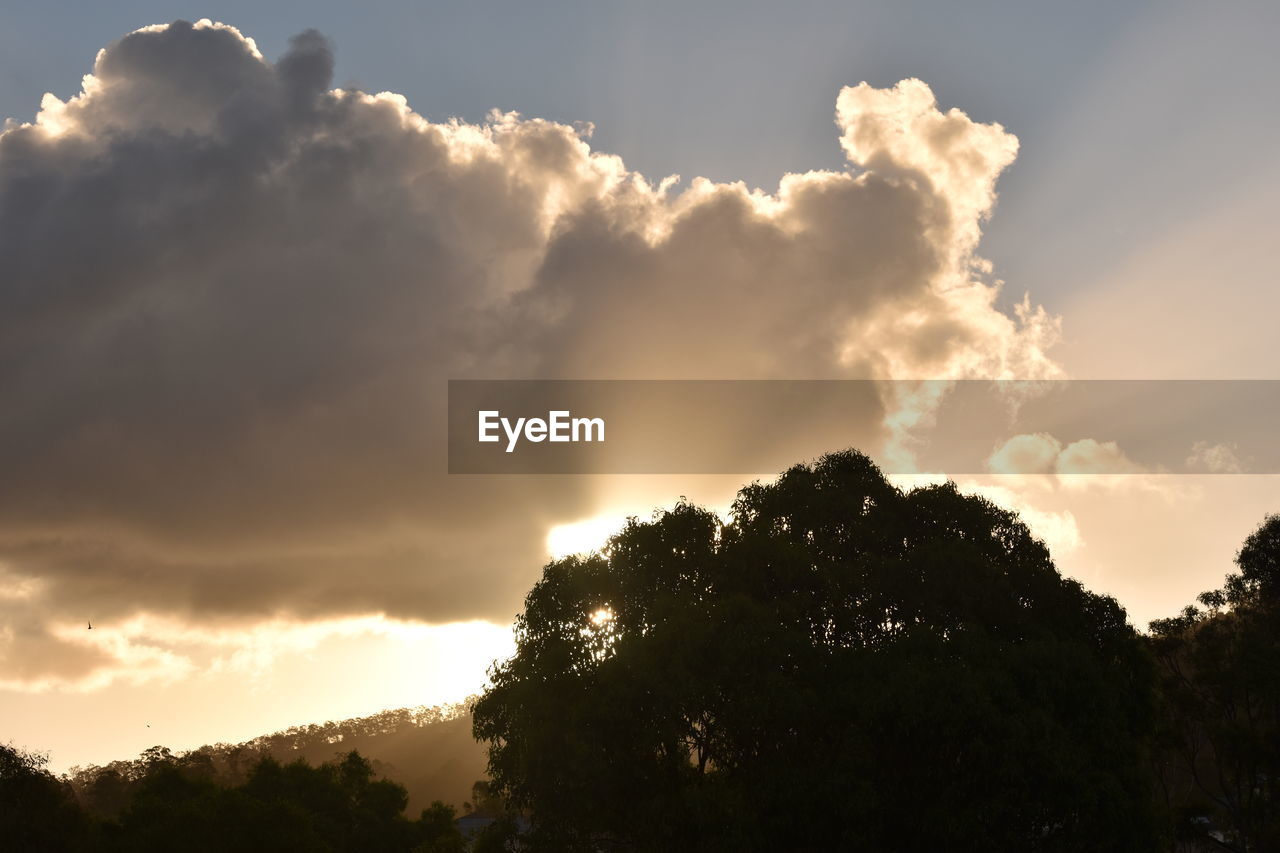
[438, 831]
[264, 795]
[37, 811]
[485, 799]
[504, 832]
[501, 836]
[1220, 666]
[105, 791]
[842, 666]
[428, 749]
[337, 806]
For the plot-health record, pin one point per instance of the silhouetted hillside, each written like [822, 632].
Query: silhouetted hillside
[429, 750]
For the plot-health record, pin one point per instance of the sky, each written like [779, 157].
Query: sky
[226, 288]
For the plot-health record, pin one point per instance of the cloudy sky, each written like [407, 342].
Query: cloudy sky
[239, 260]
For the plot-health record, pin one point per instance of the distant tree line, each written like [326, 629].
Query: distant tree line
[104, 788]
[841, 665]
[124, 805]
[175, 803]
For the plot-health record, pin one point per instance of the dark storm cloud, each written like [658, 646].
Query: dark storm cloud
[230, 299]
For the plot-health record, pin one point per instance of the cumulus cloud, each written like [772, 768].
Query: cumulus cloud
[1215, 458]
[1082, 466]
[232, 296]
[1041, 453]
[1033, 453]
[1089, 456]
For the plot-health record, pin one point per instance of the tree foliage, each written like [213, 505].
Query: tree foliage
[169, 802]
[843, 665]
[428, 749]
[37, 811]
[1220, 668]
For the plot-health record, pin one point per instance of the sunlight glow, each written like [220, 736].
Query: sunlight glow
[583, 537]
[148, 648]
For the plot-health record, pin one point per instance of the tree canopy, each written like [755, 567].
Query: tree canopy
[37, 811]
[1220, 668]
[178, 802]
[841, 665]
[428, 749]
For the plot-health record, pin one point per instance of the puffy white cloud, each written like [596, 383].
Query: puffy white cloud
[1085, 465]
[1041, 453]
[1034, 453]
[232, 296]
[1215, 458]
[1089, 456]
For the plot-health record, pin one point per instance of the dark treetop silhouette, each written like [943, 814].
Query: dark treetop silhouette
[177, 803]
[841, 666]
[1220, 738]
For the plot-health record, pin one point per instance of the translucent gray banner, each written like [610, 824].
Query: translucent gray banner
[954, 427]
